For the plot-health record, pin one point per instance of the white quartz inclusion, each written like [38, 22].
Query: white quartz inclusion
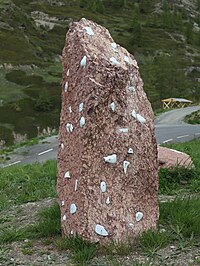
[62, 146]
[108, 200]
[131, 89]
[113, 106]
[100, 230]
[89, 31]
[131, 225]
[80, 109]
[62, 203]
[70, 109]
[76, 185]
[82, 121]
[69, 127]
[83, 61]
[66, 86]
[111, 158]
[139, 216]
[114, 61]
[67, 72]
[67, 174]
[114, 45]
[123, 130]
[125, 166]
[140, 118]
[103, 186]
[126, 59]
[130, 151]
[73, 208]
[64, 217]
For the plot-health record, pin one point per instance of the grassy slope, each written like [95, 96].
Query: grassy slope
[193, 118]
[161, 50]
[36, 45]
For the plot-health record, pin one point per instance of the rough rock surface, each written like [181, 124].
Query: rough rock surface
[169, 158]
[107, 160]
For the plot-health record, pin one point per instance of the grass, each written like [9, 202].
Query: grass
[82, 250]
[181, 214]
[151, 241]
[178, 223]
[193, 118]
[48, 224]
[180, 178]
[34, 54]
[8, 235]
[121, 248]
[27, 183]
[192, 148]
[173, 181]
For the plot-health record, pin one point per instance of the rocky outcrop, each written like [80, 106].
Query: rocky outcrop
[169, 158]
[107, 160]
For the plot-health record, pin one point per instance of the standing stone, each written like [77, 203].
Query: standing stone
[107, 160]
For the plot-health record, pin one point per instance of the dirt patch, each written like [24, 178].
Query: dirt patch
[40, 253]
[25, 214]
[43, 252]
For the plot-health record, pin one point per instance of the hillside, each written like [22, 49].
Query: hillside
[164, 36]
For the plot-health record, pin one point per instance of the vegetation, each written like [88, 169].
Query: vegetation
[27, 183]
[192, 148]
[193, 118]
[172, 181]
[163, 36]
[178, 223]
[182, 179]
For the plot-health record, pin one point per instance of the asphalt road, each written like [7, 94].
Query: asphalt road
[169, 128]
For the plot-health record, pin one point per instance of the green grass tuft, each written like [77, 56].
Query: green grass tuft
[8, 235]
[48, 224]
[21, 184]
[193, 118]
[151, 241]
[83, 251]
[181, 216]
[121, 248]
[172, 180]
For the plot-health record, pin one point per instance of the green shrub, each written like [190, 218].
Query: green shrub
[43, 104]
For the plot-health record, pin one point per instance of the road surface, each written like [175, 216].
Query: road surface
[169, 128]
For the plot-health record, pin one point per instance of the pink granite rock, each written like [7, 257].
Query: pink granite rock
[107, 160]
[169, 158]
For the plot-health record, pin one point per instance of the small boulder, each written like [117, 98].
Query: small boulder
[169, 158]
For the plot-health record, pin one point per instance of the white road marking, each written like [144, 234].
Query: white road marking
[43, 152]
[184, 136]
[10, 164]
[167, 140]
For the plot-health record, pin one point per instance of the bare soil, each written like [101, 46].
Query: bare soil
[43, 252]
